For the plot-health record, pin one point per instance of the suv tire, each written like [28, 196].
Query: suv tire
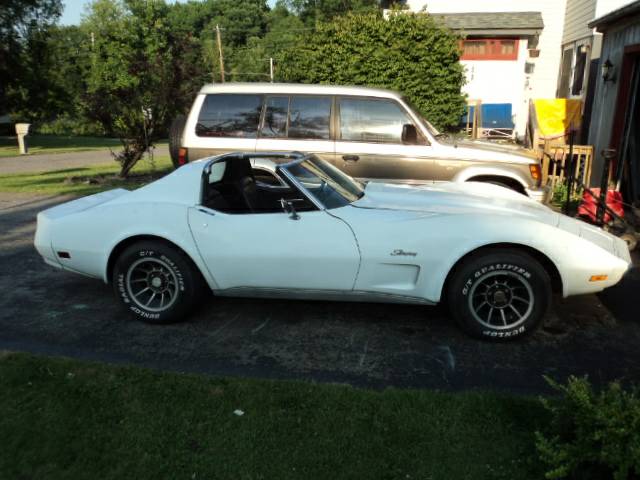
[175, 138]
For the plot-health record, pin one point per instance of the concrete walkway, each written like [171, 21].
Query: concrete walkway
[60, 161]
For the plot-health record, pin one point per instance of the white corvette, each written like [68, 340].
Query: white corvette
[495, 256]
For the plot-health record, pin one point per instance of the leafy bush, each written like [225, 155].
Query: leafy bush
[412, 53]
[592, 435]
[66, 125]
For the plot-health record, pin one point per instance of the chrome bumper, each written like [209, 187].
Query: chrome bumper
[539, 194]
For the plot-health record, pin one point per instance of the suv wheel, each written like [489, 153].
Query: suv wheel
[175, 138]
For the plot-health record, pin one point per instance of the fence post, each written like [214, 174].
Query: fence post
[607, 155]
[571, 172]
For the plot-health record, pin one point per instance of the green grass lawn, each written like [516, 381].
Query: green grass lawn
[63, 418]
[85, 180]
[55, 144]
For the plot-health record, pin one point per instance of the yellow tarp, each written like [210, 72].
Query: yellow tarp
[554, 117]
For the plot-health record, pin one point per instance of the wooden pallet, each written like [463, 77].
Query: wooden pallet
[553, 173]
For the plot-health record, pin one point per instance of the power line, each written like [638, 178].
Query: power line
[225, 29]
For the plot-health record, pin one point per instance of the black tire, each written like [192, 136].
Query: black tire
[166, 273]
[631, 240]
[501, 184]
[499, 294]
[175, 138]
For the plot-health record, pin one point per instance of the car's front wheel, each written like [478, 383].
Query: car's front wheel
[499, 294]
[156, 282]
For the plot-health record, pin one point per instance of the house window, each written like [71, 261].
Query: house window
[489, 49]
[565, 73]
[579, 71]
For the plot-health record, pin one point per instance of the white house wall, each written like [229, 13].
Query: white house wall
[543, 82]
[499, 81]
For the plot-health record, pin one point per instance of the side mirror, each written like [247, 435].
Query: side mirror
[409, 134]
[288, 207]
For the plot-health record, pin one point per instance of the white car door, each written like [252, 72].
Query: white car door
[271, 250]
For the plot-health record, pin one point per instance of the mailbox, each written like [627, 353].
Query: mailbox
[22, 130]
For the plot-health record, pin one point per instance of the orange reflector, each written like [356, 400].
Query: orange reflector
[598, 278]
[182, 156]
[536, 172]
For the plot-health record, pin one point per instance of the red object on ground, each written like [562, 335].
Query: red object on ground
[589, 205]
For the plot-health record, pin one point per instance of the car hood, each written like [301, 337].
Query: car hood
[483, 199]
[453, 198]
[478, 149]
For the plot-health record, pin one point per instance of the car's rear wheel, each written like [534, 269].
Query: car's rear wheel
[175, 138]
[156, 282]
[499, 294]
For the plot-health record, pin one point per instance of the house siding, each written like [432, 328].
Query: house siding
[578, 14]
[542, 82]
[606, 93]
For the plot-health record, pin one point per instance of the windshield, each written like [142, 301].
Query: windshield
[325, 182]
[430, 128]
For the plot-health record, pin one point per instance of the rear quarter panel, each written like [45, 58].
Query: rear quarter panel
[90, 236]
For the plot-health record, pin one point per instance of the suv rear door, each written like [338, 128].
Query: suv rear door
[369, 141]
[297, 122]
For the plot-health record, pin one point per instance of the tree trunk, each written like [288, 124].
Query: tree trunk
[132, 152]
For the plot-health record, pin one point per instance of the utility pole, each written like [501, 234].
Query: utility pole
[220, 52]
[271, 68]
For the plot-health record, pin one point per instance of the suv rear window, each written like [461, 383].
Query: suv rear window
[229, 115]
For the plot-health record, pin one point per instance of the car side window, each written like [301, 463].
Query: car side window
[229, 115]
[275, 117]
[266, 178]
[309, 117]
[371, 120]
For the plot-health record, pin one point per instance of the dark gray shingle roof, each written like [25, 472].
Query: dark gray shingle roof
[492, 21]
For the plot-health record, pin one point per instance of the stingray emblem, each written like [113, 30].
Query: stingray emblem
[401, 253]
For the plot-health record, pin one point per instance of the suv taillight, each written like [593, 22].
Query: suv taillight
[182, 156]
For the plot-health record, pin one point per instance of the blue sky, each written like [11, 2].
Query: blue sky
[73, 9]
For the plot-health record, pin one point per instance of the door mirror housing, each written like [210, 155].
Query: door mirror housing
[288, 207]
[409, 134]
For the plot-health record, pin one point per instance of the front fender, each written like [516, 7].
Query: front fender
[491, 171]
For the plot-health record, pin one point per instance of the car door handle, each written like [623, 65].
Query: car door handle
[350, 158]
[208, 212]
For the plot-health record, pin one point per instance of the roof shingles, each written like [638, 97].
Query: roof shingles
[492, 20]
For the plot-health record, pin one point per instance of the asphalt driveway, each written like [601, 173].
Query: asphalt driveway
[45, 310]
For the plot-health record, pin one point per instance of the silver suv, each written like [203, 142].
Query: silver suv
[370, 134]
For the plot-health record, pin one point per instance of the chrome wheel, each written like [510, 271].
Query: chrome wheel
[501, 300]
[151, 284]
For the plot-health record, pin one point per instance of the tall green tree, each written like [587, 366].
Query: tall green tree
[52, 70]
[314, 11]
[131, 81]
[412, 53]
[23, 28]
[251, 61]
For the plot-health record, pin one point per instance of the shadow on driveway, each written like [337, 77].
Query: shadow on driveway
[44, 310]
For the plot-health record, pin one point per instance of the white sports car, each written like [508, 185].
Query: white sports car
[315, 233]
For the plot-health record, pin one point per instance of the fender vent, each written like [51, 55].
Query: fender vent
[64, 255]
